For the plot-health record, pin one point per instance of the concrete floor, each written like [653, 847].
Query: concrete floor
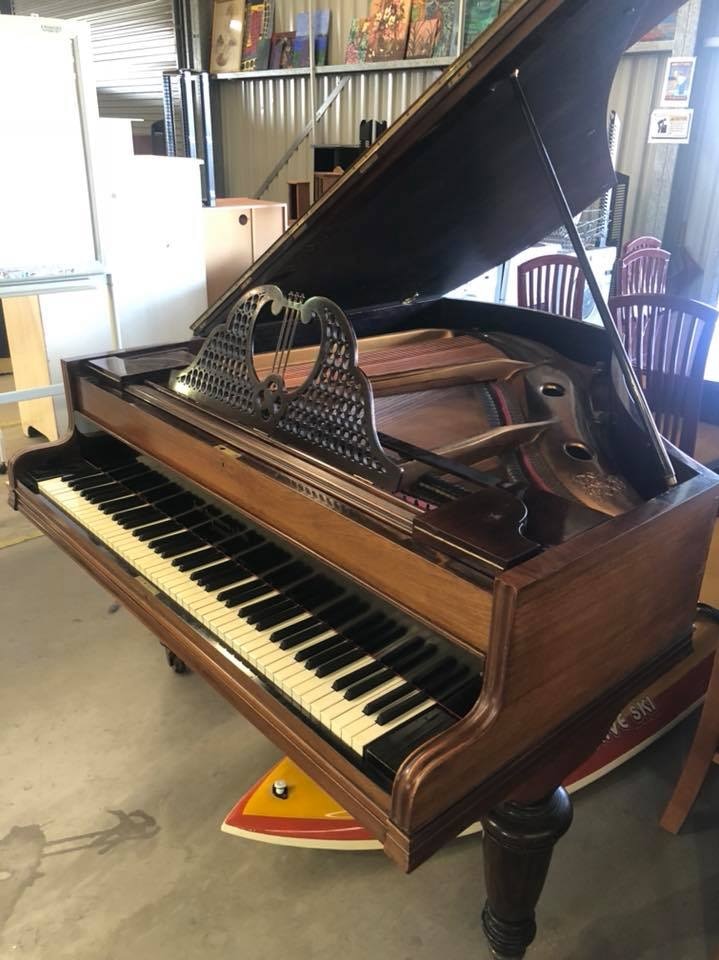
[94, 726]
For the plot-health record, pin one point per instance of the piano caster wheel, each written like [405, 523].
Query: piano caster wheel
[518, 844]
[179, 666]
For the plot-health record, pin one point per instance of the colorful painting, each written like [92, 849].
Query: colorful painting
[663, 32]
[422, 37]
[356, 50]
[226, 52]
[259, 18]
[301, 43]
[281, 50]
[445, 11]
[388, 29]
[480, 14]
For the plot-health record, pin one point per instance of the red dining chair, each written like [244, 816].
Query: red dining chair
[640, 243]
[644, 271]
[667, 339]
[554, 283]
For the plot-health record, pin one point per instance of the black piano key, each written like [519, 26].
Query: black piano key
[205, 577]
[261, 559]
[367, 625]
[69, 472]
[161, 493]
[145, 481]
[177, 504]
[415, 660]
[341, 683]
[320, 647]
[343, 660]
[158, 530]
[403, 706]
[436, 677]
[379, 703]
[198, 559]
[387, 752]
[279, 616]
[253, 611]
[133, 469]
[462, 696]
[131, 519]
[395, 654]
[370, 682]
[243, 592]
[445, 684]
[223, 578]
[291, 573]
[90, 483]
[324, 656]
[110, 491]
[381, 639]
[112, 507]
[174, 546]
[342, 611]
[301, 631]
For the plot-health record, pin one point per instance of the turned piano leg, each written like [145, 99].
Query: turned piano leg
[518, 844]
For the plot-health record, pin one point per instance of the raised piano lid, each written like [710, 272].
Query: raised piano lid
[455, 186]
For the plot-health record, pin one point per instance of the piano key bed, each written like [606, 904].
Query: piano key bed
[372, 682]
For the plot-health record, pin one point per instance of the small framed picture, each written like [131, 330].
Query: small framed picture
[678, 80]
[670, 125]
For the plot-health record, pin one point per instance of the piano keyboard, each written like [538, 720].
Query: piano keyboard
[368, 681]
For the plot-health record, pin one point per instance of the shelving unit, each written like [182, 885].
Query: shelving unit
[433, 63]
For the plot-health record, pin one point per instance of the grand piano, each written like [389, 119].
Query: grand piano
[429, 547]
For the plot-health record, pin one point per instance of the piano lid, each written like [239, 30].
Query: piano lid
[455, 185]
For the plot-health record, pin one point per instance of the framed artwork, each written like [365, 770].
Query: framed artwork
[281, 50]
[388, 29]
[678, 80]
[422, 37]
[301, 43]
[356, 50]
[480, 14]
[670, 125]
[226, 51]
[446, 12]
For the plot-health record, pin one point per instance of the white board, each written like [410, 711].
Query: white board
[49, 109]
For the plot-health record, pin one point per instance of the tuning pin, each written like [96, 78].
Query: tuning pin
[280, 790]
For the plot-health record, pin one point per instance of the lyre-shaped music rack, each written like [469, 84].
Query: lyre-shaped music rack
[330, 415]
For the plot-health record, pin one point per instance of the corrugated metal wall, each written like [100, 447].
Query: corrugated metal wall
[701, 235]
[635, 93]
[261, 118]
[132, 43]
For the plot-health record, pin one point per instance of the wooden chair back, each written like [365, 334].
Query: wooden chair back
[667, 339]
[640, 243]
[644, 271]
[554, 283]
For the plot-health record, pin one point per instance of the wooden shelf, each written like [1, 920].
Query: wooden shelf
[436, 63]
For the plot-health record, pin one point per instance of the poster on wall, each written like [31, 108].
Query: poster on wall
[678, 79]
[670, 125]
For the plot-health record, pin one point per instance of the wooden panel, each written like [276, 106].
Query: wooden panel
[406, 579]
[568, 628]
[26, 339]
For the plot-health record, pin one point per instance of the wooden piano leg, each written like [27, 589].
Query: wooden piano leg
[518, 843]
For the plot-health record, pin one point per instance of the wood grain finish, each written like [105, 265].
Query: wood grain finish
[26, 338]
[337, 539]
[568, 627]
